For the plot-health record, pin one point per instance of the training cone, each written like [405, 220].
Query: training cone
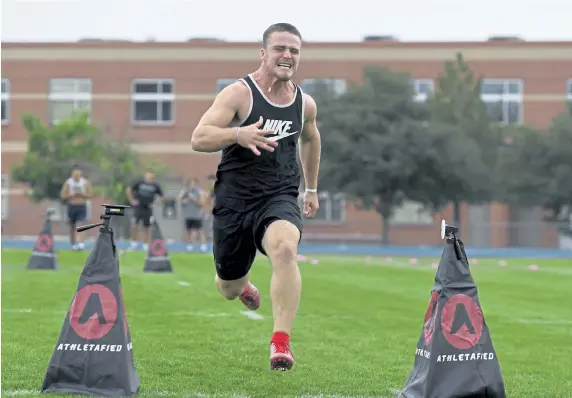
[44, 253]
[157, 259]
[94, 353]
[455, 356]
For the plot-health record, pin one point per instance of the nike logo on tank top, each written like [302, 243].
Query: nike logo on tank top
[242, 177]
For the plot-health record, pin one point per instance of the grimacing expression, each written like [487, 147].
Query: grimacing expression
[281, 55]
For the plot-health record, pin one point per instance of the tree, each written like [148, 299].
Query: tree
[539, 169]
[451, 165]
[53, 150]
[376, 144]
[457, 102]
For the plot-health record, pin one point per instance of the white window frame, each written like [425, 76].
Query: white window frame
[326, 204]
[506, 97]
[76, 96]
[411, 213]
[5, 196]
[223, 82]
[419, 96]
[5, 97]
[569, 90]
[158, 98]
[339, 86]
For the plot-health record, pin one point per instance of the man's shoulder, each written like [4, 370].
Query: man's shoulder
[235, 92]
[310, 106]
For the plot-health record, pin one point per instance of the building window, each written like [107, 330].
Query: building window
[332, 207]
[422, 88]
[411, 213]
[222, 83]
[335, 86]
[568, 90]
[67, 96]
[5, 194]
[503, 100]
[152, 101]
[5, 101]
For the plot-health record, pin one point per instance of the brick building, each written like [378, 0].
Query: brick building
[154, 93]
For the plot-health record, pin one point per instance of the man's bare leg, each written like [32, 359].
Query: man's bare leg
[241, 288]
[146, 237]
[200, 236]
[280, 243]
[134, 236]
[73, 234]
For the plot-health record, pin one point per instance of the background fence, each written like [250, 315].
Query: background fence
[346, 225]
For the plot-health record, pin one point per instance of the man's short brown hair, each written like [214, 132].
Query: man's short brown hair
[279, 27]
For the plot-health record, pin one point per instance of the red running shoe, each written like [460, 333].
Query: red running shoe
[250, 297]
[281, 357]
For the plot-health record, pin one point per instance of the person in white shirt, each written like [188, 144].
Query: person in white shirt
[76, 191]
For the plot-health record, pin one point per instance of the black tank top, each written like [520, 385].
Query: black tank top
[243, 179]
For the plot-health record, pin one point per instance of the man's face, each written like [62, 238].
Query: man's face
[76, 174]
[281, 55]
[149, 176]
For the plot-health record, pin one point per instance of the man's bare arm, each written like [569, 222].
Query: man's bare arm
[129, 194]
[310, 144]
[211, 134]
[89, 190]
[65, 191]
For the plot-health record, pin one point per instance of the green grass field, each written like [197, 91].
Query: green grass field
[355, 335]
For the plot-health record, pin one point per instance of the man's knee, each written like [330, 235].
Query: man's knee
[231, 289]
[280, 242]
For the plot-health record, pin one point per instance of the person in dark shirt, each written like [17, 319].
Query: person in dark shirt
[260, 122]
[141, 196]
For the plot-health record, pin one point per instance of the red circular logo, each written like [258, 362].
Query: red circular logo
[462, 321]
[158, 247]
[430, 315]
[43, 243]
[99, 304]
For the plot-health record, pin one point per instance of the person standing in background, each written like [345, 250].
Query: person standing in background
[191, 199]
[141, 196]
[76, 191]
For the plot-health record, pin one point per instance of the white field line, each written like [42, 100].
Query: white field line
[252, 315]
[183, 283]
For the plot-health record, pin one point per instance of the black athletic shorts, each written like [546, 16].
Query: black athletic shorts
[76, 213]
[238, 234]
[193, 223]
[142, 215]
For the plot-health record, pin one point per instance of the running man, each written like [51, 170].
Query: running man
[258, 122]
